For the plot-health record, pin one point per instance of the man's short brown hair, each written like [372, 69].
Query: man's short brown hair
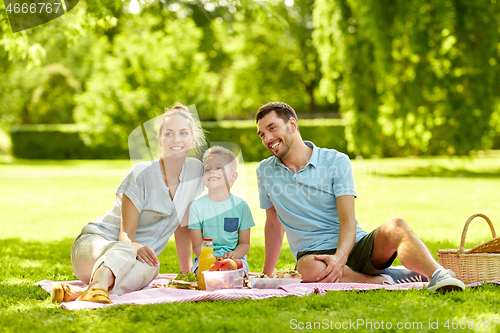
[283, 110]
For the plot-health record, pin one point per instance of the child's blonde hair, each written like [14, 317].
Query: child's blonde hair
[225, 153]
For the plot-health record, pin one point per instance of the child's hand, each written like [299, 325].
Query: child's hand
[229, 255]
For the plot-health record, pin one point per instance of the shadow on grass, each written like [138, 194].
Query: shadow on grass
[54, 251]
[25, 307]
[439, 171]
[26, 262]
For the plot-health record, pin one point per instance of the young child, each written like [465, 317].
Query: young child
[221, 215]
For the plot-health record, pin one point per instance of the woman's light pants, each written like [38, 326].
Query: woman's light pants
[90, 251]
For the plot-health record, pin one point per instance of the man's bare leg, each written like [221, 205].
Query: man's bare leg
[395, 236]
[310, 268]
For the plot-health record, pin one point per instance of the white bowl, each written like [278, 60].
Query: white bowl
[271, 283]
[215, 280]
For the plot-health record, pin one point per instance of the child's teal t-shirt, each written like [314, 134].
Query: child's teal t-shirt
[221, 221]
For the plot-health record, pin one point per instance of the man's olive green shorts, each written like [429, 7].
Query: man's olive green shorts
[359, 259]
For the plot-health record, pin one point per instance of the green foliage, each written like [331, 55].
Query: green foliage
[226, 58]
[24, 56]
[63, 141]
[410, 77]
[47, 143]
[151, 65]
[273, 59]
[53, 101]
[15, 93]
[424, 74]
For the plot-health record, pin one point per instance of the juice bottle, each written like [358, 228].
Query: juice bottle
[205, 259]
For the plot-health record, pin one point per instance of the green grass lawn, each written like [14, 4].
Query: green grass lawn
[44, 205]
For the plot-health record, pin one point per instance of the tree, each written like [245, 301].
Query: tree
[149, 65]
[273, 58]
[69, 40]
[53, 101]
[227, 57]
[411, 76]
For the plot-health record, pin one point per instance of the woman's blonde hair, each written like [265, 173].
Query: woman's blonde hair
[194, 126]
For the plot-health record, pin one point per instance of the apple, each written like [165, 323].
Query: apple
[214, 266]
[239, 264]
[215, 284]
[227, 265]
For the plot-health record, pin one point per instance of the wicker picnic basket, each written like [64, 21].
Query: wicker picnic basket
[481, 263]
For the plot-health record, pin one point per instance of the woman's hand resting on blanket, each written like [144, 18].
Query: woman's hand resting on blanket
[147, 255]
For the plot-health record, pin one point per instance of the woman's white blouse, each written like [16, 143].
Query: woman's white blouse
[159, 215]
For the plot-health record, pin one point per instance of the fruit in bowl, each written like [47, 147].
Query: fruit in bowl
[228, 265]
[214, 284]
[214, 266]
[224, 279]
[239, 263]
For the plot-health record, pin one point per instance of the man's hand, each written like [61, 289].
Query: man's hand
[334, 268]
[147, 255]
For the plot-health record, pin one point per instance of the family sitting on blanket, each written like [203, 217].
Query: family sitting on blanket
[306, 191]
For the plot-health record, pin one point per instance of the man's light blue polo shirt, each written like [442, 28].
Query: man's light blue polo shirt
[306, 201]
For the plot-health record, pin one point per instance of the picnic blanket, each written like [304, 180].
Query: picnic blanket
[156, 293]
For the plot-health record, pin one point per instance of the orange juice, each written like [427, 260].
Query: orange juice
[205, 259]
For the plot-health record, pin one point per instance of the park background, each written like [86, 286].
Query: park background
[408, 89]
[402, 77]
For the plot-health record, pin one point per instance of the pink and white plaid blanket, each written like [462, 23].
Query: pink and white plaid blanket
[157, 295]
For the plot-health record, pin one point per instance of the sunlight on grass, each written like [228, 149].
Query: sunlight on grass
[13, 281]
[27, 307]
[30, 263]
[51, 200]
[429, 199]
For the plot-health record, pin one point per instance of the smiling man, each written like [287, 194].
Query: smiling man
[308, 192]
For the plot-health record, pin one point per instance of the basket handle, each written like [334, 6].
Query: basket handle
[466, 227]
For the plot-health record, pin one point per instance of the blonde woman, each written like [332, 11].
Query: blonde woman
[118, 252]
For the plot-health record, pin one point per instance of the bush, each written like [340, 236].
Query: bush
[61, 141]
[47, 141]
[70, 141]
[327, 133]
